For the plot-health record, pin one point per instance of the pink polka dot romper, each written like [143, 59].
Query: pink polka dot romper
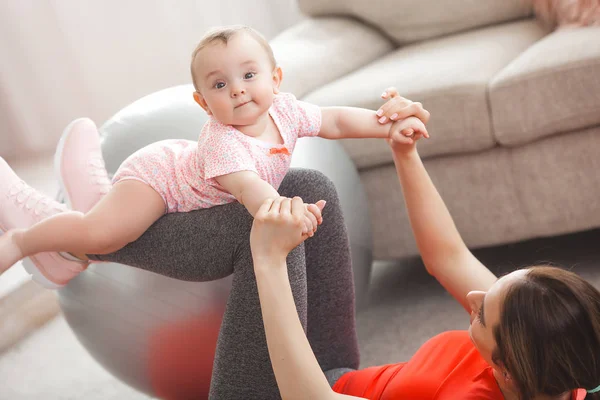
[183, 172]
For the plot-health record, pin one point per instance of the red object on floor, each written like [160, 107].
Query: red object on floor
[181, 357]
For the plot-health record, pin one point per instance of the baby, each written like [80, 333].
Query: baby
[243, 153]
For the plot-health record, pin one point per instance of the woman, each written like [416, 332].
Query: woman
[313, 293]
[534, 333]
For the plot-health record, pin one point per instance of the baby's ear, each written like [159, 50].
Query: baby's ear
[277, 78]
[200, 100]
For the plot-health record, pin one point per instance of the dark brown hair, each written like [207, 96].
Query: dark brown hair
[223, 34]
[548, 337]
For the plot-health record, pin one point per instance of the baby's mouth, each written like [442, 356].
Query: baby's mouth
[243, 104]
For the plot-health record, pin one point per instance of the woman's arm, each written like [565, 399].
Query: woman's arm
[444, 253]
[277, 230]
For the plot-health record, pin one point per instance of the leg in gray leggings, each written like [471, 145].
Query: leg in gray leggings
[213, 243]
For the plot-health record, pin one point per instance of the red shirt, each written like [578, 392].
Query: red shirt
[448, 366]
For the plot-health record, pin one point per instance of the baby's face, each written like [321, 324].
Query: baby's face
[236, 81]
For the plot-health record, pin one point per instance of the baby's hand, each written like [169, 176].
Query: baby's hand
[397, 108]
[405, 133]
[312, 217]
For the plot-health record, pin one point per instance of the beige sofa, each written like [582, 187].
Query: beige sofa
[515, 147]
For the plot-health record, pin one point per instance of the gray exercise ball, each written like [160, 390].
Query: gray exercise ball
[158, 334]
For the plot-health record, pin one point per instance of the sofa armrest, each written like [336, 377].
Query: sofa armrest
[317, 51]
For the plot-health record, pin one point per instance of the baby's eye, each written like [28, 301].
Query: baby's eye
[219, 85]
[249, 75]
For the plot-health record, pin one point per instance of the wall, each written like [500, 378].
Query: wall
[65, 59]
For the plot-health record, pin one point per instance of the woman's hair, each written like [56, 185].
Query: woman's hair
[223, 34]
[548, 337]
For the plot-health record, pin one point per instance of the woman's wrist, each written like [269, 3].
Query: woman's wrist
[403, 155]
[269, 262]
[270, 272]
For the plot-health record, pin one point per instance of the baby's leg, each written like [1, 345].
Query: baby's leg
[122, 216]
[196, 246]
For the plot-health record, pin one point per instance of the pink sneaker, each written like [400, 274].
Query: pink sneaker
[79, 164]
[22, 206]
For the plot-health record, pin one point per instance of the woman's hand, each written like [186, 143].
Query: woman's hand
[278, 227]
[398, 107]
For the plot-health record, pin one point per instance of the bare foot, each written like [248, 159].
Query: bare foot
[10, 253]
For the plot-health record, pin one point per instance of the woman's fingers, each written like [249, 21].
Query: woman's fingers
[414, 109]
[308, 226]
[276, 206]
[264, 208]
[390, 93]
[298, 207]
[401, 108]
[389, 111]
[314, 223]
[286, 206]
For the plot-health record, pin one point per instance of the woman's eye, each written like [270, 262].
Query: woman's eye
[249, 75]
[219, 85]
[480, 314]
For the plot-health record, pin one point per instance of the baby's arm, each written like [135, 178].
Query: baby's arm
[350, 122]
[248, 189]
[251, 191]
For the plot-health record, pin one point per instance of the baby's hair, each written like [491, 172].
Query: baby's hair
[223, 34]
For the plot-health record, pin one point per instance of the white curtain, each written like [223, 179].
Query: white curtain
[65, 59]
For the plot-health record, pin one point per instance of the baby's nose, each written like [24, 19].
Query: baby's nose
[237, 92]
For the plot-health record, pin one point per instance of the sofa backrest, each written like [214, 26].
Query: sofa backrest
[407, 21]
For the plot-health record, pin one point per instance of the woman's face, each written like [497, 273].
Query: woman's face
[485, 314]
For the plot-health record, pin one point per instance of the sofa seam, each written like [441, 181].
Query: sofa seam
[539, 133]
[544, 73]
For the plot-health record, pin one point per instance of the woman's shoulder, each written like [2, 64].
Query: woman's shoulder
[460, 340]
[444, 351]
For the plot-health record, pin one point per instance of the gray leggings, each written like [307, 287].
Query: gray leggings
[213, 243]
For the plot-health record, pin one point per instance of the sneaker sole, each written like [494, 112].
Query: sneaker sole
[31, 266]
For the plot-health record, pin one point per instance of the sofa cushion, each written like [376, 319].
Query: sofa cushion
[552, 87]
[331, 46]
[406, 21]
[449, 76]
[498, 196]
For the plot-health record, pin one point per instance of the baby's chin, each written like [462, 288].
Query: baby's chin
[248, 117]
